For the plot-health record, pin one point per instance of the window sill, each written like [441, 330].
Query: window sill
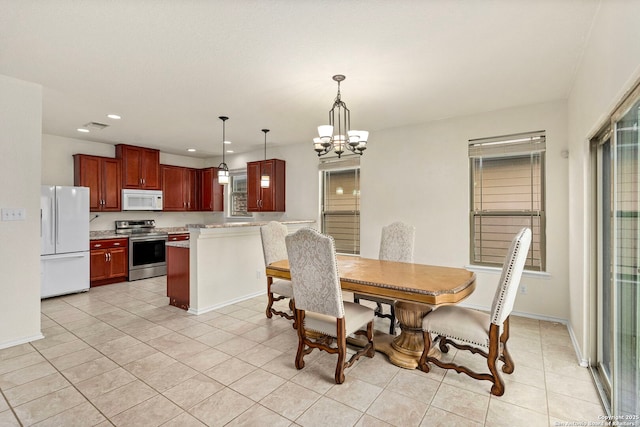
[497, 270]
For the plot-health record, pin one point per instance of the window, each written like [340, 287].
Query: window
[238, 194]
[507, 193]
[341, 203]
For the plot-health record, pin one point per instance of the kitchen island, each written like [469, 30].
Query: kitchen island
[226, 264]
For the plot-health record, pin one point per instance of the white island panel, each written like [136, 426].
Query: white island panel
[227, 264]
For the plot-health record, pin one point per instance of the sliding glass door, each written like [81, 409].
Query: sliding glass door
[604, 210]
[617, 364]
[626, 260]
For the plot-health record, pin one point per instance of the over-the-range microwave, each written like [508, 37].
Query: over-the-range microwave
[141, 200]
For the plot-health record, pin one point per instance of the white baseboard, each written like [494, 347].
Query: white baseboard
[224, 304]
[24, 340]
[581, 360]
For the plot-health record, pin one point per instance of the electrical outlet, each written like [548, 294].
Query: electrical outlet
[523, 289]
[13, 214]
[258, 274]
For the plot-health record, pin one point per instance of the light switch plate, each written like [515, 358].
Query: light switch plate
[13, 214]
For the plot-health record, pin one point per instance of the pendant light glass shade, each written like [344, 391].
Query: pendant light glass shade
[223, 175]
[223, 169]
[264, 176]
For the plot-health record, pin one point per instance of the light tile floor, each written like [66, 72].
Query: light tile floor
[120, 355]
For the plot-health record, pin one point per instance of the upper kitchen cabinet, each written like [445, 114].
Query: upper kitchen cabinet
[212, 193]
[102, 175]
[179, 188]
[140, 167]
[271, 199]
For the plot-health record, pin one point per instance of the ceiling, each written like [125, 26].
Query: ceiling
[170, 67]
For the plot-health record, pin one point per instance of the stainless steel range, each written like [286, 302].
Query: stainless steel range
[147, 255]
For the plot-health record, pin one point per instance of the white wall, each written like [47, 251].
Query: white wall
[420, 175]
[20, 134]
[302, 200]
[610, 66]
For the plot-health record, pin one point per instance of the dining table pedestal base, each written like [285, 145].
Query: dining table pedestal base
[405, 349]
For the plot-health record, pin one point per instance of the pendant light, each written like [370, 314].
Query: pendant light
[223, 169]
[264, 176]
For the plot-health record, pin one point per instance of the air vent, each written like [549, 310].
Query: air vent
[95, 126]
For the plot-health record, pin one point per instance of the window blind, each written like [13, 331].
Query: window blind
[507, 194]
[341, 203]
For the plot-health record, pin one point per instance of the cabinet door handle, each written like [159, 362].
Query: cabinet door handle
[97, 245]
[106, 258]
[109, 257]
[116, 244]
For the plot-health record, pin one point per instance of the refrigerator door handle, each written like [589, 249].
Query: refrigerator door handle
[51, 230]
[57, 222]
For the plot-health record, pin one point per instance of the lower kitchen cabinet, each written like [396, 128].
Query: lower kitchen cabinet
[178, 276]
[178, 237]
[109, 261]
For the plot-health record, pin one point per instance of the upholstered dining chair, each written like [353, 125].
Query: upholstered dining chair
[396, 244]
[321, 314]
[274, 249]
[478, 332]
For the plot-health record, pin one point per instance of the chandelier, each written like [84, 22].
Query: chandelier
[337, 135]
[223, 169]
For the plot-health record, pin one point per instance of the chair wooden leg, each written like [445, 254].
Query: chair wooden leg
[341, 342]
[494, 353]
[292, 307]
[509, 365]
[422, 363]
[392, 326]
[443, 344]
[301, 339]
[372, 349]
[270, 297]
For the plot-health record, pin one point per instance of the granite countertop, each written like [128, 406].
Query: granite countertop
[105, 234]
[247, 224]
[111, 234]
[179, 244]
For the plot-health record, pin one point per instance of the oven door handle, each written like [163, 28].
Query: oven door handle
[148, 238]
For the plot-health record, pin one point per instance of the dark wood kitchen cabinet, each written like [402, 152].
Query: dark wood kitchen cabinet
[140, 167]
[109, 261]
[211, 193]
[103, 177]
[178, 237]
[271, 199]
[179, 188]
[178, 276]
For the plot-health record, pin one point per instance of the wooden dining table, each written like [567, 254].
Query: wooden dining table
[416, 288]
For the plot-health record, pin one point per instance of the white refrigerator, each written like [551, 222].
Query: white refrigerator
[64, 236]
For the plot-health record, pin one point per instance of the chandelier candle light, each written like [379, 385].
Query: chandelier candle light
[264, 176]
[337, 135]
[223, 169]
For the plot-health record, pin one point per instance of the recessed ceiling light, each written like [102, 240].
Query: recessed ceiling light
[227, 142]
[191, 150]
[229, 151]
[114, 116]
[85, 130]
